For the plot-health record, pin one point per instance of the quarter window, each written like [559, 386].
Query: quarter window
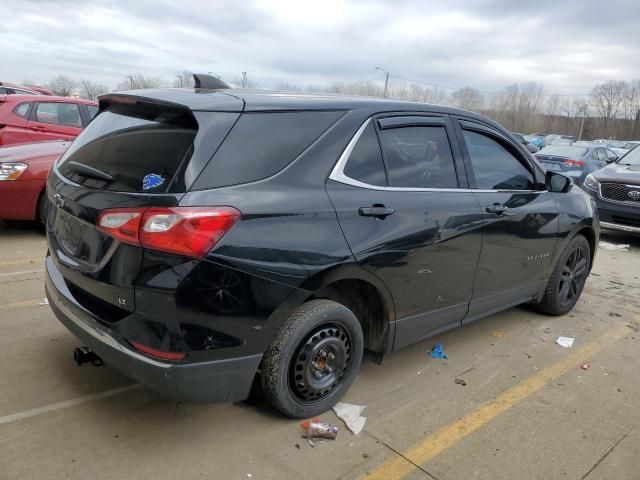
[59, 114]
[22, 109]
[494, 167]
[365, 162]
[418, 157]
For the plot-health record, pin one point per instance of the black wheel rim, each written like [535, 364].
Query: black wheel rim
[320, 363]
[573, 276]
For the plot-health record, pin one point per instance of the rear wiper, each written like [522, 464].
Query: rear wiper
[88, 171]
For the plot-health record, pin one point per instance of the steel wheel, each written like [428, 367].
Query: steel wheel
[320, 363]
[573, 276]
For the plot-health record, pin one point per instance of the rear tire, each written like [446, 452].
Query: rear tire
[313, 359]
[568, 278]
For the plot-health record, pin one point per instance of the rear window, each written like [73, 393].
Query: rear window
[140, 148]
[563, 151]
[262, 144]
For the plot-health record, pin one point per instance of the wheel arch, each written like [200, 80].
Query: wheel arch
[364, 294]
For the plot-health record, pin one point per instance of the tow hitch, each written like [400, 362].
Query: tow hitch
[84, 355]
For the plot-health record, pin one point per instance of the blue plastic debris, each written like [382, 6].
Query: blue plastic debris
[438, 351]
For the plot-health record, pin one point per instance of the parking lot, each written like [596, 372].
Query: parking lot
[527, 409]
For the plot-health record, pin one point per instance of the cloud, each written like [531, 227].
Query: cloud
[568, 46]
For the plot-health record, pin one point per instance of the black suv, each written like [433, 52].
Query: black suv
[200, 239]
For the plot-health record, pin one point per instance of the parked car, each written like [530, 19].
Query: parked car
[12, 89]
[200, 238]
[576, 161]
[32, 118]
[23, 175]
[562, 139]
[532, 147]
[536, 138]
[616, 190]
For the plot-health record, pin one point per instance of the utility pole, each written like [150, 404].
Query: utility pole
[584, 114]
[386, 81]
[130, 77]
[180, 77]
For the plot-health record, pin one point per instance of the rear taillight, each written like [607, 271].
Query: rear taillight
[122, 224]
[574, 163]
[189, 231]
[154, 352]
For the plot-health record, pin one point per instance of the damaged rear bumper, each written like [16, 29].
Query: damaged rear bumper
[227, 380]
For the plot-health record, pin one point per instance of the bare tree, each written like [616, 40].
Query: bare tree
[138, 81]
[184, 79]
[467, 98]
[245, 82]
[62, 85]
[607, 99]
[91, 90]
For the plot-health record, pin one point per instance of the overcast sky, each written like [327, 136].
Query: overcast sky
[568, 46]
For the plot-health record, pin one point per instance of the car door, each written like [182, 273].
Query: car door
[520, 219]
[402, 201]
[54, 120]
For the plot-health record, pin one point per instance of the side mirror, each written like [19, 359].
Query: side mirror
[611, 159]
[557, 182]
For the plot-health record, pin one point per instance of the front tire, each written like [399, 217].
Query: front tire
[313, 359]
[568, 278]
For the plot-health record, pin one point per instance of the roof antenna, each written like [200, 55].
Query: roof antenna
[208, 82]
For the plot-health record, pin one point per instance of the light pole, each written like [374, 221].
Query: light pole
[180, 77]
[386, 81]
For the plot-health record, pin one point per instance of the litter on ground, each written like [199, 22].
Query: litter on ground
[438, 351]
[316, 431]
[616, 247]
[45, 301]
[585, 366]
[565, 342]
[351, 415]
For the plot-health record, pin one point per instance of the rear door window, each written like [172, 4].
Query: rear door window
[419, 157]
[58, 113]
[140, 148]
[263, 143]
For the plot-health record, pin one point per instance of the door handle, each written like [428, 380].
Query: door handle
[496, 208]
[376, 211]
[38, 128]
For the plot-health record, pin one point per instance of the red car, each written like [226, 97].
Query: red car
[33, 118]
[23, 175]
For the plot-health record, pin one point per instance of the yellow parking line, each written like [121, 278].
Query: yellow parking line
[431, 446]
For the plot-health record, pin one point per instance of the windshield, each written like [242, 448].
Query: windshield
[565, 151]
[631, 158]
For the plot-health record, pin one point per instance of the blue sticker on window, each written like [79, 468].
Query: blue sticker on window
[152, 181]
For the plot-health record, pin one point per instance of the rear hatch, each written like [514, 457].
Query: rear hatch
[136, 153]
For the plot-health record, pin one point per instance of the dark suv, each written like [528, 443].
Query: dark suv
[616, 190]
[200, 239]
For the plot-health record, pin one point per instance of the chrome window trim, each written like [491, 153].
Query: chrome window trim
[338, 175]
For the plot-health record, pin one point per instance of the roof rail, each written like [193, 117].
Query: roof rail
[208, 82]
